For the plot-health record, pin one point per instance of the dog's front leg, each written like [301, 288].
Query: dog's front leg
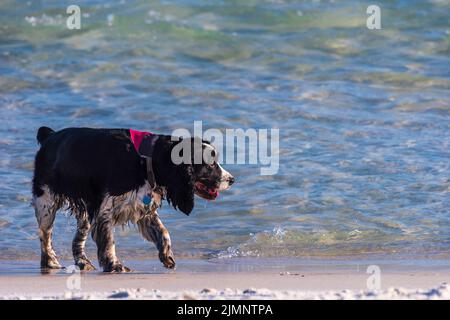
[103, 235]
[152, 229]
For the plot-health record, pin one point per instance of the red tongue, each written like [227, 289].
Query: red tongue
[211, 192]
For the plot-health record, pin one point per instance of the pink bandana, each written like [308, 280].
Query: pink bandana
[137, 137]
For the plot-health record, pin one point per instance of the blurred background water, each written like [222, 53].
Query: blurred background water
[364, 116]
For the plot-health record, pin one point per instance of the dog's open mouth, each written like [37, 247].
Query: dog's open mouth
[204, 192]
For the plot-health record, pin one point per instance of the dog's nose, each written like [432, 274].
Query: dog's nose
[230, 180]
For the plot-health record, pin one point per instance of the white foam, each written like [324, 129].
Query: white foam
[440, 292]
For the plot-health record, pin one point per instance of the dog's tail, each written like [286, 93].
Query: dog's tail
[43, 133]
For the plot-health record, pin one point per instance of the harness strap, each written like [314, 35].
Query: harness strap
[150, 174]
[144, 143]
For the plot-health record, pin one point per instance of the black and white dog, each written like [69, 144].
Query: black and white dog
[104, 180]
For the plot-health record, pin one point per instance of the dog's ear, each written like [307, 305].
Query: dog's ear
[180, 188]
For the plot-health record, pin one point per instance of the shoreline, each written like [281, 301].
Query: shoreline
[236, 279]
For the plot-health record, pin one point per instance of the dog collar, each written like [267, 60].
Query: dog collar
[144, 143]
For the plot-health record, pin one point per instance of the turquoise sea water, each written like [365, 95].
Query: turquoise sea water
[364, 117]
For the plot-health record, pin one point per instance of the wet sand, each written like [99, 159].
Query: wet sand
[244, 279]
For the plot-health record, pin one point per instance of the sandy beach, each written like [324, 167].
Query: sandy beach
[198, 280]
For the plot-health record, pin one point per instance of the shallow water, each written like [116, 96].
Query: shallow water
[363, 116]
[283, 265]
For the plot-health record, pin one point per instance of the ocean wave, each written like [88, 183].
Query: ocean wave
[281, 242]
[46, 20]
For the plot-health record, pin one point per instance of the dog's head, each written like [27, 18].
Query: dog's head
[190, 167]
[210, 177]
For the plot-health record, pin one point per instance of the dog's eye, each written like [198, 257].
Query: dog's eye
[210, 156]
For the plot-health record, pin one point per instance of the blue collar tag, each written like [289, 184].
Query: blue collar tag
[146, 200]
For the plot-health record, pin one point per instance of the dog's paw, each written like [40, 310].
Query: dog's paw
[85, 265]
[167, 259]
[116, 268]
[50, 263]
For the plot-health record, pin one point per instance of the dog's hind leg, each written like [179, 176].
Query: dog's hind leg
[103, 235]
[45, 207]
[79, 241]
[152, 229]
